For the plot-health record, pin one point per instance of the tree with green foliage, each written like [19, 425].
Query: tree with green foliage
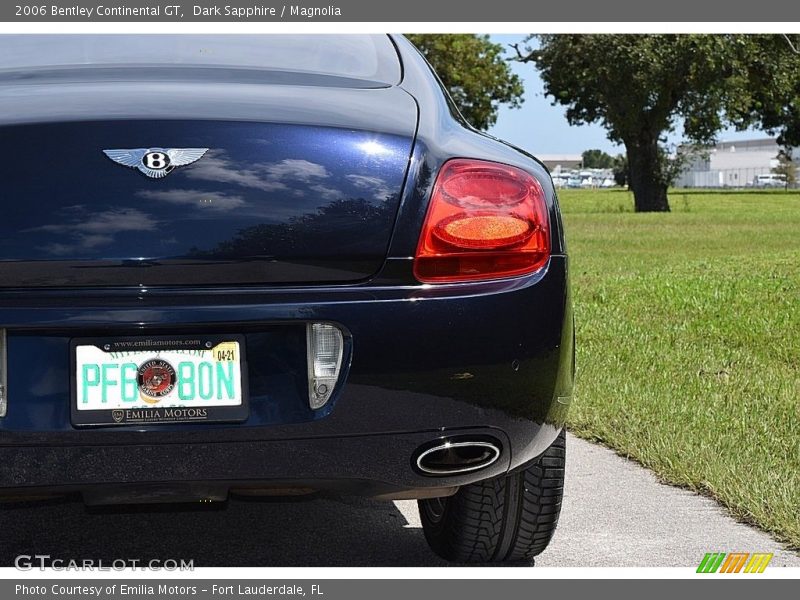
[770, 98]
[474, 71]
[786, 167]
[597, 159]
[642, 87]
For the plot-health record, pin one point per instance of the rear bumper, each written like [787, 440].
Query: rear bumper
[371, 465]
[425, 363]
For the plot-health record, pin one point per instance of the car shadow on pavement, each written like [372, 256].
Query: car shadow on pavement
[320, 531]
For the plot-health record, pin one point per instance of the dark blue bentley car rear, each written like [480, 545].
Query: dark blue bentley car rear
[272, 266]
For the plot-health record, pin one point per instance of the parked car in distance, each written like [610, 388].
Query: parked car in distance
[770, 180]
[276, 265]
[608, 182]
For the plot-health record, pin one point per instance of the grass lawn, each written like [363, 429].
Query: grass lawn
[688, 328]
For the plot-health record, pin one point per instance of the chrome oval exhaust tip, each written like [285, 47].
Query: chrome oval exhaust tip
[452, 458]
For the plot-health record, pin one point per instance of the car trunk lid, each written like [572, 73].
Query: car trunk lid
[299, 185]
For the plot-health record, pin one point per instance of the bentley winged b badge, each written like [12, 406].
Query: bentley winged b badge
[156, 162]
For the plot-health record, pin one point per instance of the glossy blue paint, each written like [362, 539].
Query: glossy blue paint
[424, 361]
[268, 203]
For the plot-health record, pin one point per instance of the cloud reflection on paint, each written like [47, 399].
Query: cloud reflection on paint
[267, 177]
[86, 230]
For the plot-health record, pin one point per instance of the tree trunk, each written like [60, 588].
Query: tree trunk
[645, 171]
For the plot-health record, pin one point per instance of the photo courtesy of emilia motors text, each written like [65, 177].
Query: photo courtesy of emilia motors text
[352, 299]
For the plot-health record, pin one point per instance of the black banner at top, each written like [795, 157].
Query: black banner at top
[444, 12]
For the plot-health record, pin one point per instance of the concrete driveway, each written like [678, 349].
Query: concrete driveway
[615, 514]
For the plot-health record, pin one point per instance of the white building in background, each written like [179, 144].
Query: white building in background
[557, 163]
[733, 164]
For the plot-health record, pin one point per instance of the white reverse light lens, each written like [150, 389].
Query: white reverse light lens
[3, 388]
[325, 347]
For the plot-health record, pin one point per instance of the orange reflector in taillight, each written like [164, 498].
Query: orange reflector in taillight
[482, 231]
[485, 220]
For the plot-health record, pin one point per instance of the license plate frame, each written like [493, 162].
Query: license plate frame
[159, 415]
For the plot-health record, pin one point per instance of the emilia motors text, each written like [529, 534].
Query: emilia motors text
[144, 589]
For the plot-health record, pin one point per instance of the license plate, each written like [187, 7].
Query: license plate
[158, 380]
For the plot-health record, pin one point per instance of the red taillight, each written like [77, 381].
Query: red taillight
[485, 220]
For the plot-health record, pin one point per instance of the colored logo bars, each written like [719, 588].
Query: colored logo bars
[734, 562]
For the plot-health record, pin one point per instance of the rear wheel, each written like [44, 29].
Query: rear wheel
[508, 518]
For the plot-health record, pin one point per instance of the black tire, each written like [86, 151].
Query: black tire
[505, 519]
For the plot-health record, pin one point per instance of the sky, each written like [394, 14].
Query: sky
[541, 128]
